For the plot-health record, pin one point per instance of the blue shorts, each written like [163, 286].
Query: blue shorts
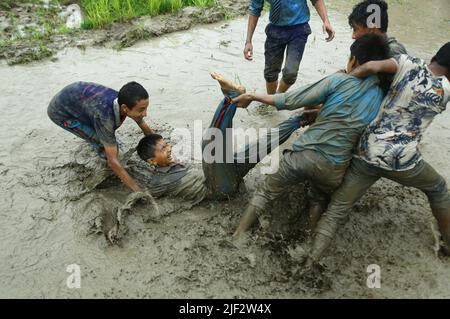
[281, 39]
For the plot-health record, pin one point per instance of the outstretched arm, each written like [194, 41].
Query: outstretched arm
[375, 67]
[306, 96]
[244, 100]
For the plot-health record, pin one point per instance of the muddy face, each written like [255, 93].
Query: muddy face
[162, 154]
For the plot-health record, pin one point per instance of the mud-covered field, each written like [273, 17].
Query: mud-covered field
[50, 206]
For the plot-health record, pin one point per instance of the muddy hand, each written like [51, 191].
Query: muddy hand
[248, 51]
[327, 28]
[243, 100]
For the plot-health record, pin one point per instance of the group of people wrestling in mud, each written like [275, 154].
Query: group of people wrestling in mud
[362, 123]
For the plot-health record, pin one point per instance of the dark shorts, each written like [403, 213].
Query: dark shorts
[74, 126]
[289, 39]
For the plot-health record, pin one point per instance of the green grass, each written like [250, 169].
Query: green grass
[103, 12]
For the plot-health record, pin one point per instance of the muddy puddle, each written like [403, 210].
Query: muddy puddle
[49, 209]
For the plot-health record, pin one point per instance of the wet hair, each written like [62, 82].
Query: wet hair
[360, 14]
[146, 146]
[370, 47]
[131, 93]
[442, 57]
[373, 47]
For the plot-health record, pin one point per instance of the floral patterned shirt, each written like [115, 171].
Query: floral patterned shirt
[416, 96]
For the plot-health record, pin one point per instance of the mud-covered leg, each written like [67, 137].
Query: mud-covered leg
[291, 172]
[358, 179]
[425, 178]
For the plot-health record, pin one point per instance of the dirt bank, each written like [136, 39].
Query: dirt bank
[42, 43]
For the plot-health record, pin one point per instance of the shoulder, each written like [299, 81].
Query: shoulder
[341, 78]
[396, 47]
[338, 78]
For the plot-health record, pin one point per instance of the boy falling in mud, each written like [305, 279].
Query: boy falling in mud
[323, 152]
[219, 179]
[389, 146]
[94, 112]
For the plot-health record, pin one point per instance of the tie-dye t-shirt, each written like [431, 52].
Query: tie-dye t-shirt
[415, 98]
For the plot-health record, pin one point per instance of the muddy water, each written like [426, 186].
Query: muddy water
[47, 208]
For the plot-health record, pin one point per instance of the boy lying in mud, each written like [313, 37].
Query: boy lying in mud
[221, 175]
[389, 146]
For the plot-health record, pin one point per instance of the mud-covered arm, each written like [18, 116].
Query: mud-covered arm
[306, 96]
[245, 99]
[374, 67]
[145, 128]
[111, 153]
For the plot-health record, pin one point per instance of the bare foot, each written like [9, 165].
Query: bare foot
[227, 85]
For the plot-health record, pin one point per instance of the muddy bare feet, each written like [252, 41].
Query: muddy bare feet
[227, 85]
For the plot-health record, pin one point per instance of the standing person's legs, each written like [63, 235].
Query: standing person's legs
[425, 178]
[294, 54]
[274, 48]
[357, 180]
[294, 168]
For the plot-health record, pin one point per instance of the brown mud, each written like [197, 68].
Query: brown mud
[54, 190]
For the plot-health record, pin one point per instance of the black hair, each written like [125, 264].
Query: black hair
[360, 14]
[370, 47]
[146, 146]
[442, 57]
[373, 47]
[131, 93]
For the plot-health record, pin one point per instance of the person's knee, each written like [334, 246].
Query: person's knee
[271, 73]
[439, 196]
[290, 76]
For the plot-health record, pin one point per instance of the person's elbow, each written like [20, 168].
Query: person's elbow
[255, 11]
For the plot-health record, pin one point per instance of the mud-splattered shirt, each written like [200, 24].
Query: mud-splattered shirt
[92, 104]
[292, 12]
[180, 181]
[349, 105]
[415, 98]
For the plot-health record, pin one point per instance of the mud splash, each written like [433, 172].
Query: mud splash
[51, 191]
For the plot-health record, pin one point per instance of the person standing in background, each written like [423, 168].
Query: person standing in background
[288, 32]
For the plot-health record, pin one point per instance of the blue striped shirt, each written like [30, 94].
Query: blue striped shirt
[292, 12]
